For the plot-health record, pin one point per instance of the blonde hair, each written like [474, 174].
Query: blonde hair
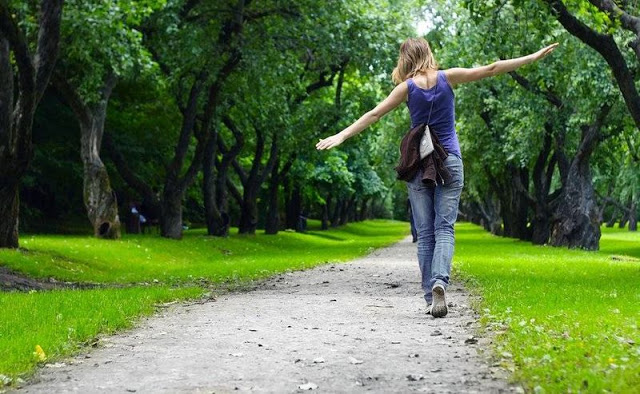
[415, 58]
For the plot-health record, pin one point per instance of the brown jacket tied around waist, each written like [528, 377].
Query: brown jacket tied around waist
[433, 168]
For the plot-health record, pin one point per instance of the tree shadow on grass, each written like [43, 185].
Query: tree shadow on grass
[325, 235]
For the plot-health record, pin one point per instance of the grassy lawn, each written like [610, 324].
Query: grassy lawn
[140, 258]
[566, 320]
[62, 321]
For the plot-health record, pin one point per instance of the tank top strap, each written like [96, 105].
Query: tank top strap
[410, 89]
[410, 84]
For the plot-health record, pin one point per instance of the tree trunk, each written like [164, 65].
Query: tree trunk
[99, 199]
[363, 210]
[272, 222]
[9, 204]
[633, 216]
[249, 215]
[614, 216]
[294, 207]
[217, 220]
[514, 203]
[576, 222]
[171, 218]
[541, 226]
[542, 177]
[253, 181]
[623, 220]
[9, 197]
[16, 118]
[344, 212]
[335, 216]
[325, 213]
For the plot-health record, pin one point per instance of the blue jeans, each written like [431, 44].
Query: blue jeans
[435, 209]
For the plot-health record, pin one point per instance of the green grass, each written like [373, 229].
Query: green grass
[63, 321]
[565, 320]
[140, 258]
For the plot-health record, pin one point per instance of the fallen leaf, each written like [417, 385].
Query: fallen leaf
[435, 333]
[414, 378]
[471, 340]
[318, 360]
[39, 353]
[354, 360]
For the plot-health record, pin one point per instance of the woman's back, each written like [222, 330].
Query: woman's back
[422, 94]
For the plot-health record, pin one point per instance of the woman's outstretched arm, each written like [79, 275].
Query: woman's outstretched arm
[463, 75]
[397, 96]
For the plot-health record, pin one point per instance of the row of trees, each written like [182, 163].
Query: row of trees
[550, 149]
[218, 103]
[213, 109]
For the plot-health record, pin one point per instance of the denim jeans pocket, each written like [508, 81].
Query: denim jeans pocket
[456, 169]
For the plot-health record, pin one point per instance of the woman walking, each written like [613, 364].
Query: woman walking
[429, 96]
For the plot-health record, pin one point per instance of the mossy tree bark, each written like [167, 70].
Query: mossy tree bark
[576, 221]
[99, 198]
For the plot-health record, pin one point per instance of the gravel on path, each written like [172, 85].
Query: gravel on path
[343, 328]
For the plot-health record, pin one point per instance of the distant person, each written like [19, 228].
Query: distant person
[134, 219]
[428, 93]
[302, 222]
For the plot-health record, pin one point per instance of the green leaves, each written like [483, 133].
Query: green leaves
[99, 37]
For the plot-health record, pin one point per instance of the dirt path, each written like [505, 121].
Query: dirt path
[345, 328]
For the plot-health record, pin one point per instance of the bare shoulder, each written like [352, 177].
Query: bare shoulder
[455, 75]
[401, 90]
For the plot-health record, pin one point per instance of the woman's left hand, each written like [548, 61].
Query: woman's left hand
[330, 142]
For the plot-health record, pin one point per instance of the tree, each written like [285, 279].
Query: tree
[197, 67]
[539, 166]
[32, 70]
[101, 44]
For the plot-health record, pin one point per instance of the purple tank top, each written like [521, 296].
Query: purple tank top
[443, 116]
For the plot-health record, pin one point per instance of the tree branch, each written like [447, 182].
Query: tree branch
[628, 21]
[132, 179]
[72, 98]
[525, 83]
[606, 46]
[235, 193]
[48, 40]
[20, 47]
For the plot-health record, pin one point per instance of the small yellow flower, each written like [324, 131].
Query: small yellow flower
[611, 360]
[39, 353]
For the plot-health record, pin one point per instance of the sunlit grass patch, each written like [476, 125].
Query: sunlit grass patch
[566, 320]
[60, 322]
[144, 258]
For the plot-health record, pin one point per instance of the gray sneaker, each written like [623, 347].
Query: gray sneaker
[439, 307]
